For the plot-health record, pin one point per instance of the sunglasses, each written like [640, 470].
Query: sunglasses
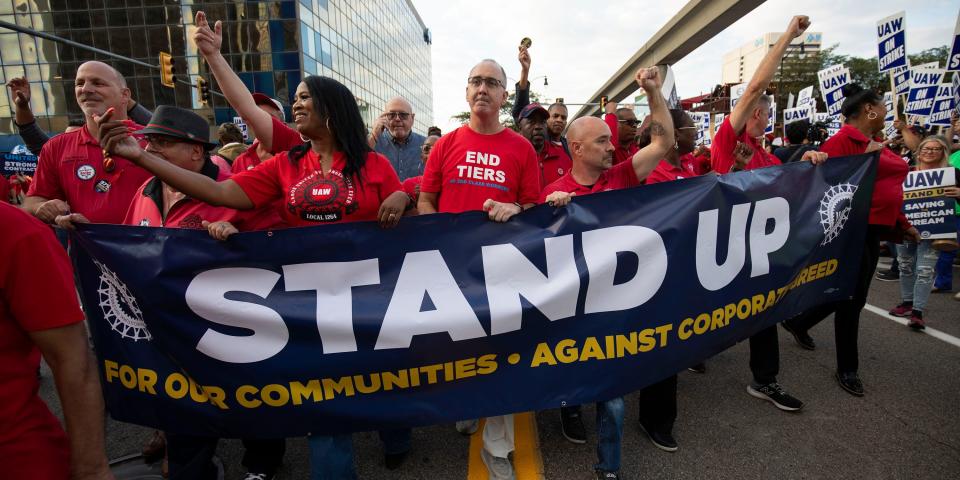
[396, 115]
[632, 123]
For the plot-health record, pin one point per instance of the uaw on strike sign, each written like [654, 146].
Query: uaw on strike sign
[926, 207]
[350, 327]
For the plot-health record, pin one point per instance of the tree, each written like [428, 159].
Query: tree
[505, 112]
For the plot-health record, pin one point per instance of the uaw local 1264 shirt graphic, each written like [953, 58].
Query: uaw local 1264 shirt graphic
[317, 198]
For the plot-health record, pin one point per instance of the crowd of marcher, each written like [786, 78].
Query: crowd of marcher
[127, 165]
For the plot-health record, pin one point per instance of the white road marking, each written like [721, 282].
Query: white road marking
[929, 331]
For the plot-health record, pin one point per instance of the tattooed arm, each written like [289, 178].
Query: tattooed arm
[661, 125]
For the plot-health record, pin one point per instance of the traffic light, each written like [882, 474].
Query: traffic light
[203, 91]
[167, 70]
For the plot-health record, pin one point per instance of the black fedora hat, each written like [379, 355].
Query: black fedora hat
[179, 123]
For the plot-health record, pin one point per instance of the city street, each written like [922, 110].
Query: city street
[907, 425]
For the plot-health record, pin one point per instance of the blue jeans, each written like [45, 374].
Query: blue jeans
[944, 279]
[917, 263]
[331, 457]
[609, 434]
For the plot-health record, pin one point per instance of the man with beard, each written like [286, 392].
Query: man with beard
[553, 160]
[623, 123]
[594, 171]
[556, 113]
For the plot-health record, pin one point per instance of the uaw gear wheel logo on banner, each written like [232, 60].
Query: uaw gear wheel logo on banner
[119, 307]
[835, 210]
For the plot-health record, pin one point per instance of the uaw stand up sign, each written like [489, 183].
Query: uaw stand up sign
[925, 205]
[349, 327]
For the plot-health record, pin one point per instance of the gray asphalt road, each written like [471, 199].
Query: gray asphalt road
[906, 427]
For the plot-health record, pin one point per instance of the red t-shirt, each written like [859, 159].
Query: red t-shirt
[147, 205]
[701, 163]
[665, 172]
[310, 197]
[412, 187]
[620, 154]
[466, 168]
[4, 189]
[725, 141]
[621, 175]
[284, 138]
[70, 168]
[554, 162]
[887, 200]
[36, 293]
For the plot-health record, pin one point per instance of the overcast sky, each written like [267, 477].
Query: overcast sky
[578, 45]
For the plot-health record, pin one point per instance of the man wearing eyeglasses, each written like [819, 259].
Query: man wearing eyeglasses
[72, 174]
[483, 166]
[623, 123]
[396, 140]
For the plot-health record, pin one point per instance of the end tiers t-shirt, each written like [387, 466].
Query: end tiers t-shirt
[311, 197]
[466, 168]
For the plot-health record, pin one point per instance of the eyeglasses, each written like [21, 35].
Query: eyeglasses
[931, 149]
[163, 141]
[396, 115]
[426, 148]
[490, 82]
[632, 123]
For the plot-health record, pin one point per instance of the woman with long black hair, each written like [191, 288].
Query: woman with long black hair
[332, 177]
[864, 112]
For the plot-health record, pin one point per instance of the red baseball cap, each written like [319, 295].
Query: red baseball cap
[263, 99]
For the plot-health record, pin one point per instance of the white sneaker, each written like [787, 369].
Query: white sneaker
[468, 427]
[499, 468]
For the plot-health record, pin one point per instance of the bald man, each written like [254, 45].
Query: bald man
[393, 137]
[72, 175]
[595, 169]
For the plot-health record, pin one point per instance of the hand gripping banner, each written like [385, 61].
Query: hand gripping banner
[351, 327]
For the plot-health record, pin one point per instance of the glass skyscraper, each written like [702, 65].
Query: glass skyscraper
[378, 49]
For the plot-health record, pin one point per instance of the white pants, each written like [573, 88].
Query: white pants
[498, 435]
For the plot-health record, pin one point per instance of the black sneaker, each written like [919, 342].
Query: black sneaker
[698, 368]
[571, 425]
[802, 337]
[602, 475]
[774, 393]
[661, 440]
[850, 382]
[888, 276]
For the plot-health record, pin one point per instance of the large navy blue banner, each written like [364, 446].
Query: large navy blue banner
[350, 327]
